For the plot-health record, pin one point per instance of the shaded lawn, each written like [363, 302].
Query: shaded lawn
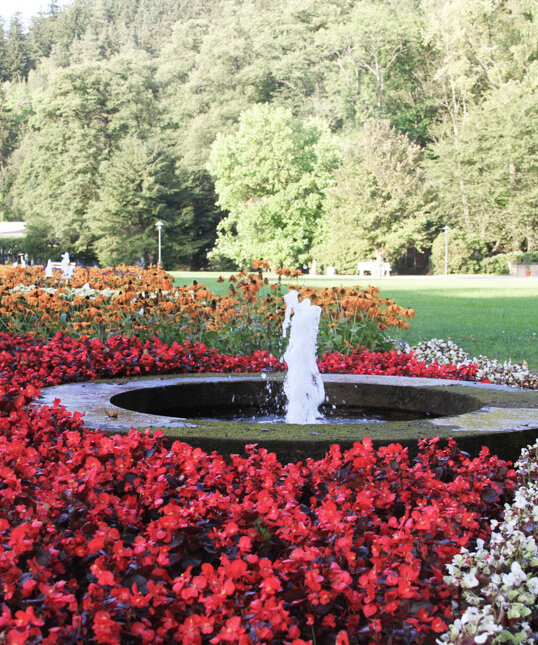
[494, 316]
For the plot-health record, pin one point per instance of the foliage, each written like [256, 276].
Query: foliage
[79, 121]
[377, 206]
[271, 176]
[483, 154]
[12, 247]
[496, 153]
[456, 77]
[138, 188]
[248, 317]
[498, 264]
[465, 253]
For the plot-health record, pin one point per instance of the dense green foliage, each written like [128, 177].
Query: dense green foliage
[109, 110]
[378, 200]
[271, 177]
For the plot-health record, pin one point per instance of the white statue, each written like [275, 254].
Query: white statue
[67, 267]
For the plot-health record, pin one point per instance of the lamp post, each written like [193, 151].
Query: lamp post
[159, 225]
[446, 229]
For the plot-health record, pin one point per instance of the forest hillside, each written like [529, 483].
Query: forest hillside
[301, 130]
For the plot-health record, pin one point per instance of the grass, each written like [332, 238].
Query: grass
[493, 316]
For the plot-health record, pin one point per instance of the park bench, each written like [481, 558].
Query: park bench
[376, 268]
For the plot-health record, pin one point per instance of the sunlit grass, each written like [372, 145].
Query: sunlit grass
[493, 316]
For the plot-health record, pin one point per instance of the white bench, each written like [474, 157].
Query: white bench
[376, 269]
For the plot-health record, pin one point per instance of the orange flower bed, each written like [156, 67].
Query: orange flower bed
[143, 302]
[110, 278]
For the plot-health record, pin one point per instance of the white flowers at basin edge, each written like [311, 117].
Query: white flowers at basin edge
[499, 372]
[439, 351]
[499, 584]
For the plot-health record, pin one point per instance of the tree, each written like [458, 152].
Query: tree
[17, 61]
[497, 154]
[8, 130]
[88, 74]
[138, 187]
[366, 47]
[271, 175]
[481, 45]
[79, 121]
[378, 204]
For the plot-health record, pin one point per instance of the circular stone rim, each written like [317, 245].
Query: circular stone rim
[499, 410]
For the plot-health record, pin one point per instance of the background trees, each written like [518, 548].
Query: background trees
[429, 104]
[78, 122]
[138, 187]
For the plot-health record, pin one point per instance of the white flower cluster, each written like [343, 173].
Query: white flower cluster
[68, 292]
[440, 351]
[499, 584]
[502, 373]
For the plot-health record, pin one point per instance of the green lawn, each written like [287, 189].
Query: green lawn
[494, 316]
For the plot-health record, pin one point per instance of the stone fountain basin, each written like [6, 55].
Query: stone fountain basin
[475, 414]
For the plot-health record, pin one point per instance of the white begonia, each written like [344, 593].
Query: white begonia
[469, 580]
[502, 373]
[515, 577]
[520, 500]
[532, 585]
[510, 566]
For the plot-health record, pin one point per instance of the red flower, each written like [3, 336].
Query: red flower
[27, 618]
[232, 632]
[105, 629]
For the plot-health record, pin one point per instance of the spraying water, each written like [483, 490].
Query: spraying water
[303, 386]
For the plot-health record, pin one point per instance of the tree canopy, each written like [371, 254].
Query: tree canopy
[299, 129]
[377, 206]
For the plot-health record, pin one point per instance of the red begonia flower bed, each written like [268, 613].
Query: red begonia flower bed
[24, 359]
[121, 539]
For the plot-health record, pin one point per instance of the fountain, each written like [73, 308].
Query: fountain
[224, 412]
[303, 386]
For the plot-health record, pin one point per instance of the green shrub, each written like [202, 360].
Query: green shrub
[10, 247]
[465, 253]
[498, 264]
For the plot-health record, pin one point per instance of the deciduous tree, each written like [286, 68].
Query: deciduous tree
[271, 176]
[378, 204]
